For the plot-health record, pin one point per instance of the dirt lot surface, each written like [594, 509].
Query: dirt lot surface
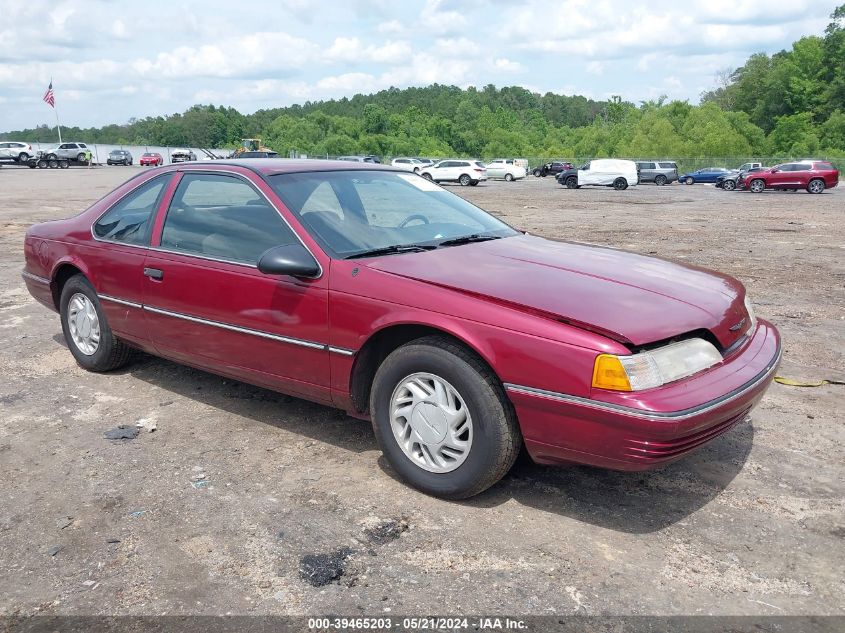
[239, 489]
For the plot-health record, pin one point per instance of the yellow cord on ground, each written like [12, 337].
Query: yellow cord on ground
[796, 383]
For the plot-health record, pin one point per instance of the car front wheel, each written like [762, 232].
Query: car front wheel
[571, 182]
[23, 157]
[689, 181]
[86, 330]
[729, 185]
[509, 177]
[757, 185]
[80, 158]
[442, 419]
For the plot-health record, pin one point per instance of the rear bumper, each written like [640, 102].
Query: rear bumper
[654, 427]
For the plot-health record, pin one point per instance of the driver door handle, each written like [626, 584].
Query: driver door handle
[154, 273]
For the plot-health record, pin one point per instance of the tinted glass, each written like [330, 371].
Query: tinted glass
[353, 211]
[667, 165]
[129, 220]
[824, 166]
[222, 217]
[646, 165]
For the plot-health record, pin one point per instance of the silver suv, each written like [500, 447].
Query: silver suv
[17, 151]
[71, 151]
[658, 172]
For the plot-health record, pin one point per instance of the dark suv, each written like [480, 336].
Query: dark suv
[554, 168]
[119, 157]
[658, 172]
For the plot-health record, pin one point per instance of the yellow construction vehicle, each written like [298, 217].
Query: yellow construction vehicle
[251, 145]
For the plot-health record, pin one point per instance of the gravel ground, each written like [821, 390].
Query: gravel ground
[243, 500]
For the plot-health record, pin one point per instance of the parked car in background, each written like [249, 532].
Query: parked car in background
[748, 166]
[461, 339]
[426, 161]
[408, 164]
[602, 172]
[658, 172]
[359, 159]
[465, 172]
[256, 154]
[705, 174]
[814, 176]
[152, 159]
[182, 155]
[16, 151]
[506, 168]
[552, 168]
[71, 151]
[728, 181]
[119, 157]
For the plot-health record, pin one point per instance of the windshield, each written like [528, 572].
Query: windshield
[350, 212]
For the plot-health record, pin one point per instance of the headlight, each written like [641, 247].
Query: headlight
[654, 368]
[751, 316]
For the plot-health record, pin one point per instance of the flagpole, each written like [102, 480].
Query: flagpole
[56, 111]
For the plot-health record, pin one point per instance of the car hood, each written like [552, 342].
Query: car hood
[628, 297]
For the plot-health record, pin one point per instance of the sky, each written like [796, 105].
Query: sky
[111, 60]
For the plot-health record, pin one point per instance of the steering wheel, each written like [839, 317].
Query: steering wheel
[411, 218]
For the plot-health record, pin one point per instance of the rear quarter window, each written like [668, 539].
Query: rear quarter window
[824, 166]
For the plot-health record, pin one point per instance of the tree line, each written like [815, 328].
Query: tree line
[791, 104]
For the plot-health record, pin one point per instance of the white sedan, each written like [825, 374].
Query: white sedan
[465, 172]
[505, 168]
[408, 164]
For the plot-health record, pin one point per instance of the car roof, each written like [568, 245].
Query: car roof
[271, 166]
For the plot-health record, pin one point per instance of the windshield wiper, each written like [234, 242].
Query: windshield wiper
[390, 250]
[466, 239]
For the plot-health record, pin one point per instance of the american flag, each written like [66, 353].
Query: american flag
[49, 97]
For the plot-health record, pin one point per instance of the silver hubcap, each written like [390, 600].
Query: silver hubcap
[757, 186]
[816, 186]
[83, 323]
[431, 422]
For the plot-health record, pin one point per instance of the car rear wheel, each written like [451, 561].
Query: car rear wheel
[23, 157]
[51, 157]
[815, 186]
[442, 419]
[757, 185]
[660, 180]
[80, 157]
[689, 181]
[509, 177]
[729, 185]
[42, 164]
[464, 180]
[620, 184]
[86, 330]
[571, 182]
[427, 176]
[537, 173]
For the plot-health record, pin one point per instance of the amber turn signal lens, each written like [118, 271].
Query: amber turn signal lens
[608, 373]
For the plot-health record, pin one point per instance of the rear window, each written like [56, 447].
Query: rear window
[824, 166]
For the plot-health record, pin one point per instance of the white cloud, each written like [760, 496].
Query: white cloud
[350, 50]
[507, 66]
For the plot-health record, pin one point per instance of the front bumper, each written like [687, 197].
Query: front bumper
[642, 430]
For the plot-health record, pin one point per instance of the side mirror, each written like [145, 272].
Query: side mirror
[774, 171]
[291, 259]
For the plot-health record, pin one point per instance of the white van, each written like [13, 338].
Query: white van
[603, 172]
[507, 168]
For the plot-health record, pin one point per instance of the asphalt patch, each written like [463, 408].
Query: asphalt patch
[122, 432]
[320, 569]
[386, 531]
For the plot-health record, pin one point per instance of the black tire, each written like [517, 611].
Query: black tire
[496, 439]
[53, 164]
[571, 182]
[111, 352]
[620, 184]
[537, 173]
[464, 179]
[80, 158]
[42, 164]
[689, 180]
[816, 185]
[758, 185]
[660, 180]
[51, 157]
[473, 183]
[32, 164]
[509, 177]
[427, 176]
[729, 185]
[63, 164]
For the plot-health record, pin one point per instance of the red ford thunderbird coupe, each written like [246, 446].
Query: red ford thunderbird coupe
[378, 292]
